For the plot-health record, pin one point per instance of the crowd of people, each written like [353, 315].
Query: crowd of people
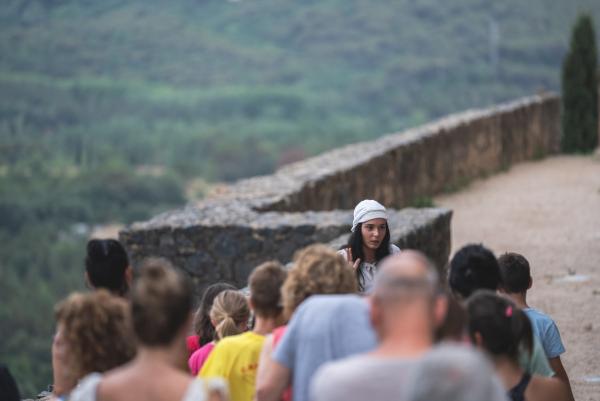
[366, 322]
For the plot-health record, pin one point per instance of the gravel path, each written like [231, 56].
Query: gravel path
[549, 211]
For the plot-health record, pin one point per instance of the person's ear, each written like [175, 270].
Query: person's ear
[440, 309]
[88, 283]
[375, 312]
[478, 339]
[129, 276]
[530, 283]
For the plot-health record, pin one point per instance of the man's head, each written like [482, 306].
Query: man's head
[514, 273]
[406, 287]
[265, 289]
[473, 267]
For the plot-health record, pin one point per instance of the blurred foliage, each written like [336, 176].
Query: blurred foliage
[580, 89]
[111, 110]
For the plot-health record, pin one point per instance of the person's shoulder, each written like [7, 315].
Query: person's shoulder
[329, 302]
[538, 317]
[87, 388]
[394, 249]
[545, 388]
[346, 370]
[203, 388]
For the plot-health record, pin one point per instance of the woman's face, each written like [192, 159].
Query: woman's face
[373, 232]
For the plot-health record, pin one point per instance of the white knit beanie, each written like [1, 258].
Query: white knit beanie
[368, 210]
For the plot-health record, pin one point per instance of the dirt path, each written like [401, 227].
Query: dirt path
[549, 211]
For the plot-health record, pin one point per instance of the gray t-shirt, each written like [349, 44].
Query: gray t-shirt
[361, 377]
[323, 328]
[446, 373]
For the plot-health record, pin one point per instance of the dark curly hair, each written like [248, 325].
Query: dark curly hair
[515, 273]
[473, 267]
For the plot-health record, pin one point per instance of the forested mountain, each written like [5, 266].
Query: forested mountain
[109, 109]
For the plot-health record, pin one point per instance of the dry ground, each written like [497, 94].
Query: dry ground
[549, 211]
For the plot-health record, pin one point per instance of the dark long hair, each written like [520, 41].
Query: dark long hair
[355, 243]
[202, 324]
[503, 327]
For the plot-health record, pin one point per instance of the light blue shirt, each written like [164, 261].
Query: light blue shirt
[324, 328]
[545, 329]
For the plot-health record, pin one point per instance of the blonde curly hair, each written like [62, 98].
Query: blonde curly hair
[96, 330]
[317, 269]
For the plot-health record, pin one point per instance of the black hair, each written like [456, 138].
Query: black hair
[355, 243]
[515, 273]
[202, 324]
[473, 267]
[105, 264]
[502, 326]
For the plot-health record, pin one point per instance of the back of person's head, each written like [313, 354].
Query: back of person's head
[406, 289]
[406, 277]
[453, 327]
[514, 273]
[229, 313]
[265, 289]
[317, 269]
[473, 267]
[453, 373]
[161, 301]
[497, 325]
[95, 330]
[105, 264]
[202, 325]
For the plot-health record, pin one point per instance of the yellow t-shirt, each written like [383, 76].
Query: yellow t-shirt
[235, 358]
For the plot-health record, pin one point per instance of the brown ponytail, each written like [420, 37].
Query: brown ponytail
[229, 310]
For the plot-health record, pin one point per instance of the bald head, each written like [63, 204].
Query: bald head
[406, 275]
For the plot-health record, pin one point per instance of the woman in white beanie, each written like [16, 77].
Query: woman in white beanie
[369, 242]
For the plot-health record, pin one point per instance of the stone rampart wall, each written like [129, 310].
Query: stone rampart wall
[261, 218]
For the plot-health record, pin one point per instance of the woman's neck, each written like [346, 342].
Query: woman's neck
[152, 356]
[508, 370]
[369, 255]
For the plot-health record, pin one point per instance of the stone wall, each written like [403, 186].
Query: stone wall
[226, 236]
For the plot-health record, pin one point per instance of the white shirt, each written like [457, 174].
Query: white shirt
[368, 270]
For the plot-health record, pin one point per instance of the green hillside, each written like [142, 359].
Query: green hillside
[109, 108]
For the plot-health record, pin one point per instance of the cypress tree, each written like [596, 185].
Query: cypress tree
[580, 90]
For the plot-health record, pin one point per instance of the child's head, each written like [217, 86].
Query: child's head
[473, 267]
[229, 314]
[497, 325]
[265, 289]
[203, 327]
[318, 269]
[514, 273]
